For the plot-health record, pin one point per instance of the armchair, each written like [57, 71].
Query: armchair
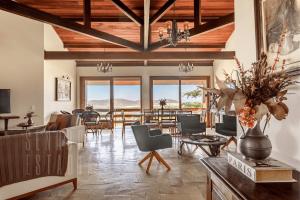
[150, 141]
[190, 124]
[227, 128]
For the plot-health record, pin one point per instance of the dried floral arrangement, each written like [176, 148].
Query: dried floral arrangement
[257, 92]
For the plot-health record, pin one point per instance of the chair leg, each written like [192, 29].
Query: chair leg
[145, 158]
[123, 130]
[231, 139]
[158, 157]
[149, 163]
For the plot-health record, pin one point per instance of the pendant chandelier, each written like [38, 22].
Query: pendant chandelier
[104, 67]
[175, 34]
[186, 67]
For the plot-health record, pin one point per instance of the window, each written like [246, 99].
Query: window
[127, 93]
[167, 89]
[192, 95]
[110, 93]
[98, 94]
[180, 92]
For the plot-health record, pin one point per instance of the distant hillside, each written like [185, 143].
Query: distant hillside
[123, 102]
[117, 102]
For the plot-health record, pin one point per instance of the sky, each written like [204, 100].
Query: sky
[101, 92]
[132, 92]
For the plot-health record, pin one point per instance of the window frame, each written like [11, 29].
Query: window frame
[180, 79]
[83, 80]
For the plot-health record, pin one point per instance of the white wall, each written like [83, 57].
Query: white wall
[283, 134]
[53, 69]
[145, 72]
[21, 64]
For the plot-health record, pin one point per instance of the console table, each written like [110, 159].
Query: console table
[6, 118]
[226, 183]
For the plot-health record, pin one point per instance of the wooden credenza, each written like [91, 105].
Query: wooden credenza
[226, 183]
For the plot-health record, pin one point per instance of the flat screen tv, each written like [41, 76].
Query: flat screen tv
[4, 100]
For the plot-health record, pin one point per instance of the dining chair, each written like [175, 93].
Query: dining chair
[168, 120]
[127, 122]
[91, 120]
[151, 118]
[151, 141]
[107, 122]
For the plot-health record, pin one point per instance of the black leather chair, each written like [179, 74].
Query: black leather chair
[228, 128]
[190, 124]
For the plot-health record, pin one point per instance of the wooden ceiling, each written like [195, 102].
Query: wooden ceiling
[121, 24]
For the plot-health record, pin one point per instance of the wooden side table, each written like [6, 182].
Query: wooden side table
[6, 118]
[226, 182]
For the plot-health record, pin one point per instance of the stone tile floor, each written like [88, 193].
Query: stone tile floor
[108, 170]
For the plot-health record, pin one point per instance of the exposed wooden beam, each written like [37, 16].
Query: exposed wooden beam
[110, 19]
[129, 13]
[143, 64]
[87, 13]
[146, 23]
[204, 28]
[29, 12]
[108, 46]
[197, 13]
[138, 56]
[161, 11]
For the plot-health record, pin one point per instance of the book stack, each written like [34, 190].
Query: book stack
[269, 170]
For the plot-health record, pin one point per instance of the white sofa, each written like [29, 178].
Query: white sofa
[29, 187]
[75, 133]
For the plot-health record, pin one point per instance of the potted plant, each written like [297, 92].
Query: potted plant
[162, 103]
[257, 93]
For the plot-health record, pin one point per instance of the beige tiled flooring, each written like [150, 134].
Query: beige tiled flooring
[108, 170]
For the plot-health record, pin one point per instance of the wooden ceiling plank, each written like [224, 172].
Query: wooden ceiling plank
[129, 13]
[161, 11]
[204, 28]
[29, 12]
[146, 24]
[138, 56]
[87, 13]
[197, 13]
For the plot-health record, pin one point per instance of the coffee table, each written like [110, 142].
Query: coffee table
[213, 142]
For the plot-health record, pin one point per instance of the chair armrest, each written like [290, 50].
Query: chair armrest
[72, 160]
[75, 133]
[155, 132]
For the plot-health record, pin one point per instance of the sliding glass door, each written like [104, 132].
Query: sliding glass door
[166, 89]
[98, 94]
[127, 93]
[111, 93]
[180, 92]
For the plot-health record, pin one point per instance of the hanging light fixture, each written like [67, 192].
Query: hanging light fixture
[103, 66]
[186, 67]
[174, 34]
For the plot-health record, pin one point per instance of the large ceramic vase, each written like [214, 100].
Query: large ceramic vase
[255, 145]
